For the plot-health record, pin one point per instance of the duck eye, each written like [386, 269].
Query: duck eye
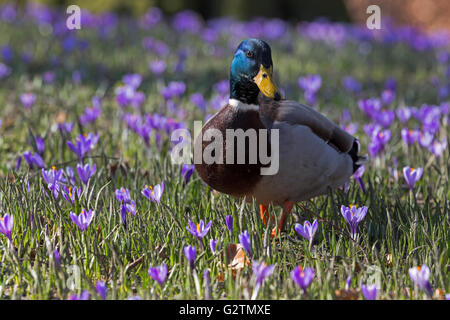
[249, 54]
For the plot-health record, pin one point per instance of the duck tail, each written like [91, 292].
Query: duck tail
[358, 160]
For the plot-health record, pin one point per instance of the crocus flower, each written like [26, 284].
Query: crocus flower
[40, 144]
[186, 172]
[409, 136]
[370, 106]
[4, 71]
[123, 195]
[66, 127]
[57, 258]
[412, 176]
[302, 277]
[425, 138]
[229, 223]
[102, 289]
[261, 271]
[158, 274]
[350, 84]
[348, 282]
[154, 193]
[33, 159]
[307, 230]
[90, 115]
[53, 178]
[71, 193]
[387, 96]
[199, 101]
[83, 220]
[27, 100]
[420, 276]
[83, 144]
[190, 254]
[384, 117]
[403, 114]
[6, 225]
[310, 84]
[244, 239]
[213, 245]
[130, 207]
[83, 296]
[157, 67]
[86, 172]
[437, 148]
[369, 292]
[353, 215]
[199, 230]
[358, 177]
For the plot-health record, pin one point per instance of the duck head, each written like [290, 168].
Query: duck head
[251, 72]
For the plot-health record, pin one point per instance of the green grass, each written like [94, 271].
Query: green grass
[409, 228]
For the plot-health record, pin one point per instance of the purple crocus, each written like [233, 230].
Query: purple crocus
[53, 178]
[310, 84]
[186, 172]
[40, 144]
[190, 254]
[199, 101]
[420, 276]
[159, 274]
[33, 159]
[384, 117]
[412, 175]
[57, 258]
[403, 114]
[353, 215]
[307, 230]
[83, 144]
[213, 245]
[261, 271]
[244, 240]
[85, 172]
[302, 277]
[123, 195]
[27, 99]
[83, 220]
[199, 230]
[6, 226]
[358, 177]
[229, 223]
[157, 67]
[154, 193]
[90, 115]
[409, 136]
[387, 96]
[83, 296]
[102, 289]
[370, 106]
[370, 292]
[351, 85]
[65, 127]
[4, 71]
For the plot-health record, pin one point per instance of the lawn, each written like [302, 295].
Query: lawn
[85, 132]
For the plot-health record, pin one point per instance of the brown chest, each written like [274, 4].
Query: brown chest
[226, 174]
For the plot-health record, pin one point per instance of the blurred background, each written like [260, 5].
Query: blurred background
[425, 14]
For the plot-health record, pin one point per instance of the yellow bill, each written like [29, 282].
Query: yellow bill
[264, 82]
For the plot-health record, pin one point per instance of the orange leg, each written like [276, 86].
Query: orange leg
[264, 213]
[287, 207]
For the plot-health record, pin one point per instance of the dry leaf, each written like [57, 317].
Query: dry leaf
[439, 294]
[350, 294]
[61, 117]
[389, 259]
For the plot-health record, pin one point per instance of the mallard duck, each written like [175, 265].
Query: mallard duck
[314, 154]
